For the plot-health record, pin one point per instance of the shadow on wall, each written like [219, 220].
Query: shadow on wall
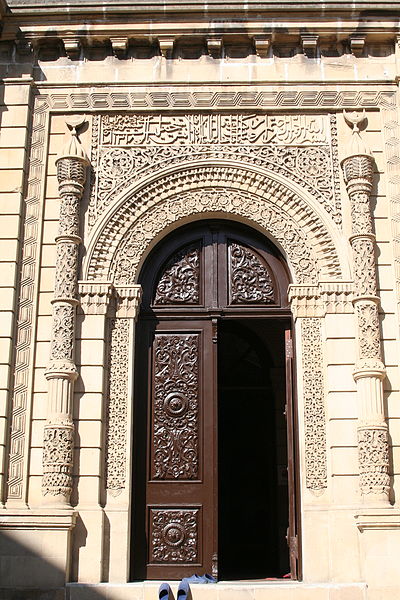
[27, 574]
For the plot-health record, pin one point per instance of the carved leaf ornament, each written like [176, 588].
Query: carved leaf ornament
[180, 281]
[250, 280]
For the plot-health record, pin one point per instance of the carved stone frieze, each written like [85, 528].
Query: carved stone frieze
[117, 406]
[174, 535]
[179, 283]
[249, 278]
[266, 193]
[175, 435]
[280, 225]
[187, 129]
[134, 146]
[314, 406]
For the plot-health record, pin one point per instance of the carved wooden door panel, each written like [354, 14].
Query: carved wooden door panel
[181, 474]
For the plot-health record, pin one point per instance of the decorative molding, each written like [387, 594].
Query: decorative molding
[322, 299]
[388, 519]
[311, 167]
[34, 519]
[25, 307]
[251, 194]
[314, 407]
[117, 406]
[152, 222]
[129, 298]
[138, 99]
[95, 297]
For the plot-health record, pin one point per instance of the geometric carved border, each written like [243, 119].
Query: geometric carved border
[120, 100]
[25, 307]
[314, 406]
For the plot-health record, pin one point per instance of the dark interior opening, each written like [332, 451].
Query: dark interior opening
[252, 450]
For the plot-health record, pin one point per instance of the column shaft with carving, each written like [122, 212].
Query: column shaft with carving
[61, 372]
[369, 373]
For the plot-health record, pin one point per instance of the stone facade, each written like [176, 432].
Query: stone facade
[116, 133]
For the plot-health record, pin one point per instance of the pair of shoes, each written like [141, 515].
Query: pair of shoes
[184, 593]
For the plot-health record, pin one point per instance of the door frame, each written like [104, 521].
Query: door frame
[214, 313]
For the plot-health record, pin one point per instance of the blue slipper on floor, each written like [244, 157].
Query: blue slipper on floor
[209, 578]
[165, 592]
[184, 590]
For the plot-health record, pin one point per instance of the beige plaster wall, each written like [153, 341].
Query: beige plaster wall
[332, 545]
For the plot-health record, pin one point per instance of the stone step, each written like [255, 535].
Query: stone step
[238, 590]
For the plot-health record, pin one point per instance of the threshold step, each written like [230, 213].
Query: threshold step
[236, 590]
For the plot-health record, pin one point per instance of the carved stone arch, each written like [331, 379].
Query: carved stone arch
[267, 201]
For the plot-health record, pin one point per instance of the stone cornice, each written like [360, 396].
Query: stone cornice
[213, 7]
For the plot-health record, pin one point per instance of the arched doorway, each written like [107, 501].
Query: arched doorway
[213, 439]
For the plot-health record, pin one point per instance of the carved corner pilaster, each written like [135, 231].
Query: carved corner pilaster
[128, 300]
[95, 297]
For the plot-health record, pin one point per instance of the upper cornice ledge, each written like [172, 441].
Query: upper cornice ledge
[210, 8]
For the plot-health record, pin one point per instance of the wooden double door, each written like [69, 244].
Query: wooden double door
[214, 488]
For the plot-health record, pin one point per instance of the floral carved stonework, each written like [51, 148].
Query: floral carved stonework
[117, 406]
[314, 406]
[132, 146]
